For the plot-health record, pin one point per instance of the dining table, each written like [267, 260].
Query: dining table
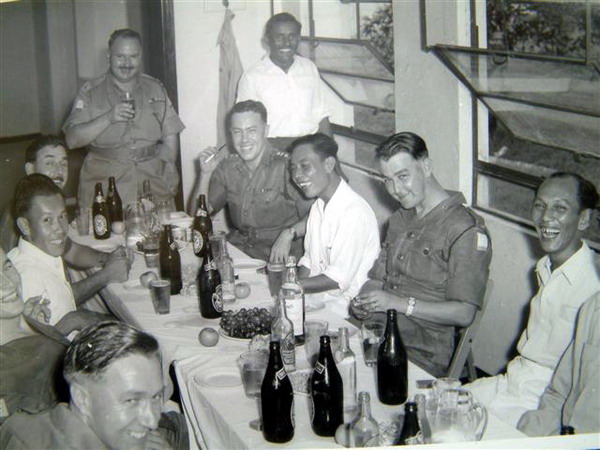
[218, 413]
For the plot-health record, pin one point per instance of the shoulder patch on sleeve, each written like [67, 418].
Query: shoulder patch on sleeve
[482, 241]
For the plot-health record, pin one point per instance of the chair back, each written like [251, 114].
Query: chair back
[463, 353]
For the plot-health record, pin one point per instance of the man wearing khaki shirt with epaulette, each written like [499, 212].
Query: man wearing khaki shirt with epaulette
[253, 182]
[129, 124]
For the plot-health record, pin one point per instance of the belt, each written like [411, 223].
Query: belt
[135, 155]
[260, 233]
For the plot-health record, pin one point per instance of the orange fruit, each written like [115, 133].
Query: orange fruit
[208, 337]
[242, 290]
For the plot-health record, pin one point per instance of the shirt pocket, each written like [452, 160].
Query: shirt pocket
[427, 262]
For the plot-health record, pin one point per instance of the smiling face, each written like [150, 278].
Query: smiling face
[249, 136]
[406, 178]
[11, 304]
[283, 39]
[125, 57]
[124, 405]
[51, 161]
[45, 225]
[558, 218]
[312, 174]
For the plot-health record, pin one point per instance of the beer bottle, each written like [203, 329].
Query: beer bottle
[364, 426]
[209, 287]
[392, 366]
[100, 215]
[346, 364]
[327, 392]
[294, 300]
[113, 201]
[277, 399]
[225, 268]
[411, 432]
[170, 261]
[201, 228]
[282, 331]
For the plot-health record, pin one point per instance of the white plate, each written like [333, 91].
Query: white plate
[313, 305]
[218, 378]
[226, 336]
[241, 265]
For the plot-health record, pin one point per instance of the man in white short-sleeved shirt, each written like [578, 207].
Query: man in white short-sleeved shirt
[342, 236]
[287, 84]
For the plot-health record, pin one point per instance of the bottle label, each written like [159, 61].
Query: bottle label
[100, 224]
[201, 213]
[288, 353]
[198, 241]
[295, 312]
[281, 374]
[210, 265]
[320, 368]
[217, 299]
[174, 246]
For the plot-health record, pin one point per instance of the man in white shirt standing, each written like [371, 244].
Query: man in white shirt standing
[341, 234]
[562, 210]
[287, 84]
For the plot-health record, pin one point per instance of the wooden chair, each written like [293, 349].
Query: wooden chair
[463, 354]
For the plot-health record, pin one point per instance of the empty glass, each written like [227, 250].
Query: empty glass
[371, 333]
[253, 365]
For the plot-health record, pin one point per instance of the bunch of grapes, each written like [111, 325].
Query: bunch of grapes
[246, 323]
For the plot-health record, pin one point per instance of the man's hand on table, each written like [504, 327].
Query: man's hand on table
[281, 247]
[372, 298]
[117, 265]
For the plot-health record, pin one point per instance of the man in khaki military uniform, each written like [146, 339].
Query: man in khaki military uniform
[254, 182]
[129, 124]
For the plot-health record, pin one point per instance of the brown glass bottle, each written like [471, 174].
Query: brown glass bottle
[392, 365]
[170, 261]
[277, 399]
[201, 228]
[100, 214]
[113, 201]
[327, 392]
[208, 282]
[411, 432]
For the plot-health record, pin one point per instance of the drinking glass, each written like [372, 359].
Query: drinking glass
[151, 253]
[276, 272]
[83, 221]
[161, 296]
[215, 243]
[313, 330]
[372, 334]
[253, 365]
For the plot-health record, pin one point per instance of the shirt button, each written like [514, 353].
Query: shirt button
[411, 234]
[426, 251]
[401, 257]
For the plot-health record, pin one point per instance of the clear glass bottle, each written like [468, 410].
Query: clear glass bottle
[346, 364]
[364, 426]
[225, 267]
[294, 300]
[282, 331]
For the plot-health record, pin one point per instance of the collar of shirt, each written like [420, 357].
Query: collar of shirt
[569, 269]
[336, 198]
[272, 67]
[53, 262]
[454, 199]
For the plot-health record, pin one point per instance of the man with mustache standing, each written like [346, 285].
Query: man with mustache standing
[129, 124]
[287, 84]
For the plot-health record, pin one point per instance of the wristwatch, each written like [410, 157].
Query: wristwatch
[410, 306]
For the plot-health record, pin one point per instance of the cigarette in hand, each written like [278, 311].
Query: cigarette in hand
[43, 297]
[215, 153]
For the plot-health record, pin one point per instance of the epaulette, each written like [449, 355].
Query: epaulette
[151, 78]
[90, 84]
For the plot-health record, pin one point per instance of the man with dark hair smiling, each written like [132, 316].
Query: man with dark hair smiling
[253, 182]
[39, 209]
[287, 84]
[434, 264]
[341, 234]
[116, 384]
[567, 277]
